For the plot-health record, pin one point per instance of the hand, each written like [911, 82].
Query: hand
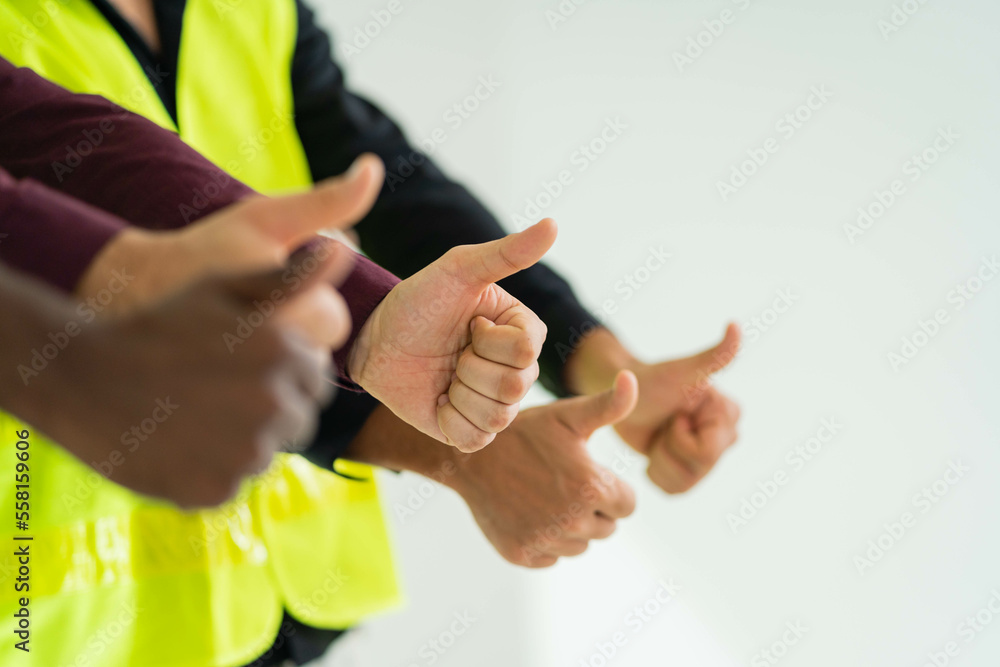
[256, 234]
[681, 422]
[450, 352]
[536, 493]
[690, 443]
[218, 413]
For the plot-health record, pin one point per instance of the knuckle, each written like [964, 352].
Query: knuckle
[500, 418]
[535, 373]
[513, 386]
[215, 491]
[524, 352]
[510, 264]
[601, 480]
[473, 442]
[516, 553]
[453, 258]
[327, 390]
[340, 331]
[683, 487]
[305, 426]
[541, 562]
[487, 439]
[706, 456]
[266, 405]
[463, 368]
[262, 455]
[672, 484]
[271, 346]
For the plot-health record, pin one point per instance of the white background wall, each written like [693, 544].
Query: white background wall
[826, 357]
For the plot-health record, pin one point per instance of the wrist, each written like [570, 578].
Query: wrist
[387, 441]
[596, 361]
[127, 266]
[357, 356]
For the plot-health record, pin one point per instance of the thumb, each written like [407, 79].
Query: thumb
[337, 202]
[586, 414]
[487, 263]
[321, 264]
[714, 359]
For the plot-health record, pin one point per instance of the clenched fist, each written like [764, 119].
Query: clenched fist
[450, 352]
[681, 422]
[536, 493]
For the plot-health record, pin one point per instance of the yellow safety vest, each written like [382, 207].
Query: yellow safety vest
[119, 579]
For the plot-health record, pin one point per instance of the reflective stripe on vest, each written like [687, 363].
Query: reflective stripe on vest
[176, 588]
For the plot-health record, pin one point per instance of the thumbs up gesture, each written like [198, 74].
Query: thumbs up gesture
[450, 352]
[681, 422]
[447, 350]
[536, 493]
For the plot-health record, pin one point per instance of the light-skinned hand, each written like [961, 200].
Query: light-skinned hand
[536, 493]
[450, 352]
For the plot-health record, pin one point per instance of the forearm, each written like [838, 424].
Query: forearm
[49, 235]
[388, 442]
[135, 169]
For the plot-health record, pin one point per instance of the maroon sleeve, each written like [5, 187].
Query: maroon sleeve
[49, 235]
[95, 151]
[110, 159]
